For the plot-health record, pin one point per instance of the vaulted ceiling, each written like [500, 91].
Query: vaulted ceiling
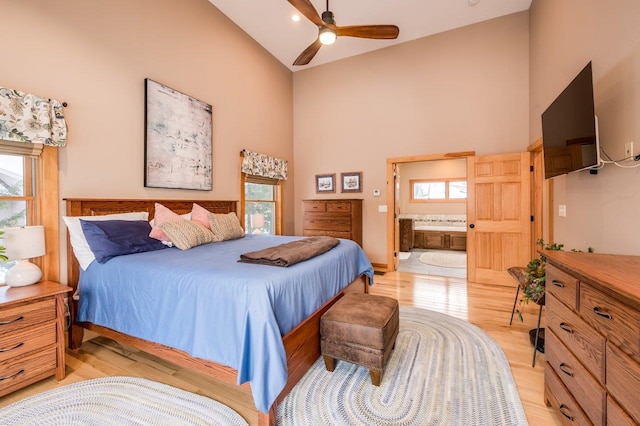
[271, 23]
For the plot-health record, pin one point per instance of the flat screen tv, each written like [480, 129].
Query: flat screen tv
[570, 129]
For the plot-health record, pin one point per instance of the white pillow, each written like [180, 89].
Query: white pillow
[79, 242]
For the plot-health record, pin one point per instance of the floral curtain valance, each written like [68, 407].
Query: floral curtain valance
[32, 119]
[262, 165]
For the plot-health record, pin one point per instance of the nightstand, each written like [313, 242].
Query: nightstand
[31, 334]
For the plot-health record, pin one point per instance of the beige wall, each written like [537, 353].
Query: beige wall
[437, 169]
[565, 35]
[95, 55]
[462, 90]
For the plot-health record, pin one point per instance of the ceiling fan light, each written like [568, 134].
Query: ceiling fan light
[327, 36]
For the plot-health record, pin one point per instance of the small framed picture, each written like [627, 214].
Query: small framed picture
[351, 182]
[325, 183]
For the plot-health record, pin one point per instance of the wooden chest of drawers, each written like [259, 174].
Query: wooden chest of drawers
[336, 218]
[31, 334]
[592, 371]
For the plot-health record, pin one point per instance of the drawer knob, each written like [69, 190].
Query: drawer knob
[566, 328]
[20, 318]
[597, 311]
[563, 409]
[11, 375]
[557, 283]
[10, 349]
[565, 369]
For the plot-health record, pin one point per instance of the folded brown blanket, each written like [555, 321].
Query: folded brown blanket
[288, 254]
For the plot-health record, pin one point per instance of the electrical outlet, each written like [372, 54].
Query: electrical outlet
[628, 150]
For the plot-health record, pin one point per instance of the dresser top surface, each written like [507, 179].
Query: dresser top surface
[611, 273]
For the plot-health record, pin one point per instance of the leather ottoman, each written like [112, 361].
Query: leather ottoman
[362, 329]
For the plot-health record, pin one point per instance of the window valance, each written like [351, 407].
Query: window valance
[262, 165]
[31, 119]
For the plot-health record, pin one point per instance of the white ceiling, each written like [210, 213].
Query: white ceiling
[269, 22]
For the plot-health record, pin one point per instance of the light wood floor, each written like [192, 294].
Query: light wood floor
[487, 306]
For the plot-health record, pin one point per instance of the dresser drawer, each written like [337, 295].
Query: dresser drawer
[586, 390]
[339, 207]
[562, 285]
[623, 380]
[27, 340]
[616, 416]
[574, 333]
[615, 320]
[336, 223]
[26, 314]
[561, 400]
[19, 371]
[335, 234]
[314, 206]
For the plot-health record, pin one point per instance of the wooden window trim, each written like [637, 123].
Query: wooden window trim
[43, 208]
[246, 178]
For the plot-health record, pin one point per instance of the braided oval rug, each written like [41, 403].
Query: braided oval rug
[118, 401]
[443, 371]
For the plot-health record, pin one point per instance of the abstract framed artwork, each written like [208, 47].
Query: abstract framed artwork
[177, 138]
[351, 181]
[325, 184]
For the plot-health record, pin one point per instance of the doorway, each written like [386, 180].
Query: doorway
[432, 217]
[427, 201]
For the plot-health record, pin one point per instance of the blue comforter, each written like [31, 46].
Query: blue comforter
[206, 303]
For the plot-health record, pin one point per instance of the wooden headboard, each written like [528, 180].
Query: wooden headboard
[97, 207]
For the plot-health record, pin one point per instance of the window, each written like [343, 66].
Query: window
[261, 205]
[438, 190]
[17, 201]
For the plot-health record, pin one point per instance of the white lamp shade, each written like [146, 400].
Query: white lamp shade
[24, 242]
[21, 244]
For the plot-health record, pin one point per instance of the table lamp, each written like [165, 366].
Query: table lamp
[23, 243]
[257, 222]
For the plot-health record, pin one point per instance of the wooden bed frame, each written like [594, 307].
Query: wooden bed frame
[302, 344]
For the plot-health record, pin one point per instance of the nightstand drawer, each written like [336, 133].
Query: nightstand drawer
[26, 314]
[25, 369]
[27, 340]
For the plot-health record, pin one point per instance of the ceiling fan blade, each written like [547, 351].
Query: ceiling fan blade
[369, 31]
[308, 54]
[306, 8]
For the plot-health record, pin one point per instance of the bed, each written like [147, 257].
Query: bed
[297, 343]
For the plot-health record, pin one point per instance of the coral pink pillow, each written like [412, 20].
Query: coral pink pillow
[201, 215]
[161, 216]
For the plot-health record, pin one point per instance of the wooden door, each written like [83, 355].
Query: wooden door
[498, 216]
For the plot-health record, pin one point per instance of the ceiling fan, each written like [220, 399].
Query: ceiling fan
[328, 31]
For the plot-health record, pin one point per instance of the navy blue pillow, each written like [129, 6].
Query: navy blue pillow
[110, 238]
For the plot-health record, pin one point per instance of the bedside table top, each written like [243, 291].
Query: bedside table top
[29, 292]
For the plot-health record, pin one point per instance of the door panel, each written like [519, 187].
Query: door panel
[498, 214]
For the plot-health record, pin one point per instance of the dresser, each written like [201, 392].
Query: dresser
[592, 342]
[31, 334]
[336, 218]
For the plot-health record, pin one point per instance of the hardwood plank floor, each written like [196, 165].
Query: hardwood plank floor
[487, 306]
